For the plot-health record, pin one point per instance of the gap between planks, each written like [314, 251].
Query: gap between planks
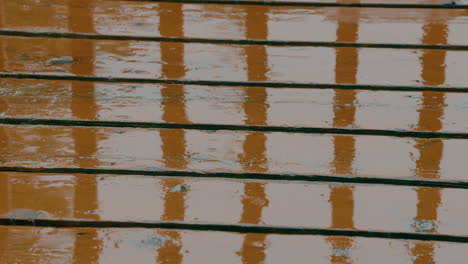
[236, 83]
[249, 176]
[227, 127]
[47, 34]
[312, 3]
[244, 228]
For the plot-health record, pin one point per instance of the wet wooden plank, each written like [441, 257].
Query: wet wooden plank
[211, 21]
[377, 208]
[249, 106]
[134, 59]
[233, 151]
[82, 245]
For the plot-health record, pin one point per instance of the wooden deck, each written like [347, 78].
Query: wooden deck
[247, 131]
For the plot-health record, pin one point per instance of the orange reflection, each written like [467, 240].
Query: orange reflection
[5, 192]
[341, 197]
[87, 247]
[254, 157]
[173, 141]
[84, 107]
[4, 186]
[430, 151]
[31, 14]
[433, 74]
[4, 241]
[2, 48]
[423, 253]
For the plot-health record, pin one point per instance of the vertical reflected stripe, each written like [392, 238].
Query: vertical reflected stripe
[342, 197]
[254, 159]
[430, 151]
[171, 24]
[87, 248]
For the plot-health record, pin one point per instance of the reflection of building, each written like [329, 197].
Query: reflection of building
[2, 49]
[4, 180]
[254, 157]
[341, 197]
[83, 107]
[173, 141]
[390, 16]
[60, 199]
[431, 112]
[4, 186]
[430, 151]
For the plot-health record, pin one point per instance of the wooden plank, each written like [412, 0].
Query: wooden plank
[211, 21]
[133, 59]
[83, 245]
[376, 208]
[249, 106]
[234, 151]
